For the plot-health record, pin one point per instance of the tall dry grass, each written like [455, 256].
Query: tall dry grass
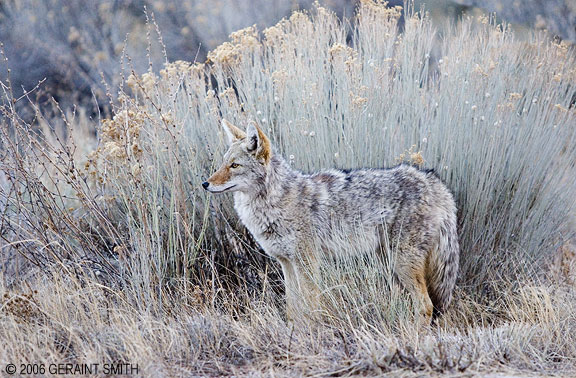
[126, 257]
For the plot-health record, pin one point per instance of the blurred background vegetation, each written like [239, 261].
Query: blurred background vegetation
[76, 46]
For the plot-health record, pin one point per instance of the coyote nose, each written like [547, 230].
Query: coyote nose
[205, 184]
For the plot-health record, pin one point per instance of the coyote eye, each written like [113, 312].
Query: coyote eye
[234, 165]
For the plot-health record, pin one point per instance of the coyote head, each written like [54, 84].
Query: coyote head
[245, 162]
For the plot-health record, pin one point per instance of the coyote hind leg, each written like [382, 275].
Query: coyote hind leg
[411, 272]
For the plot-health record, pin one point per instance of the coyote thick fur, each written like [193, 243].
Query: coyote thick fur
[289, 213]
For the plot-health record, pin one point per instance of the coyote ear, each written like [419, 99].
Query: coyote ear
[232, 132]
[257, 143]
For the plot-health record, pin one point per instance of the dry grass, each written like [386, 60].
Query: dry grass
[70, 321]
[112, 251]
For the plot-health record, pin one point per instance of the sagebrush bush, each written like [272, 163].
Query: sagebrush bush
[476, 114]
[492, 115]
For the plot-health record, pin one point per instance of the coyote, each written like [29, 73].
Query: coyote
[294, 216]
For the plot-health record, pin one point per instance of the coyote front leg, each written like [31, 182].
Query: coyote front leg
[302, 294]
[291, 286]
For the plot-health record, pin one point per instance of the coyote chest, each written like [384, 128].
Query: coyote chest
[269, 227]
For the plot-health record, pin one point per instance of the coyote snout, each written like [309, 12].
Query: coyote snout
[296, 216]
